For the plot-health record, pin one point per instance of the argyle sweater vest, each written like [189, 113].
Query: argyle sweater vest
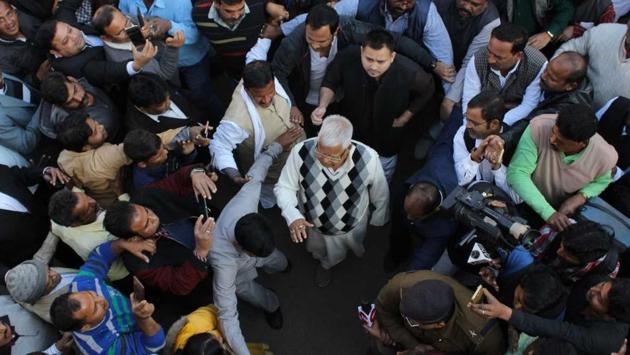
[332, 205]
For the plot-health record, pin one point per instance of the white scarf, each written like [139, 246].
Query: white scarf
[259, 131]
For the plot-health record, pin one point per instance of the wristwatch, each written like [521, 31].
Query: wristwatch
[434, 64]
[550, 34]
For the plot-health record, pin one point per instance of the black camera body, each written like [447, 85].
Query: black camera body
[471, 207]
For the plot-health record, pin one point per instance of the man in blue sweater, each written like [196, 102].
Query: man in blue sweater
[101, 319]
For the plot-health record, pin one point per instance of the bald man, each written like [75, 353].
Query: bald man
[562, 83]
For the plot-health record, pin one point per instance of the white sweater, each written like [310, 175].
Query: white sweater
[608, 67]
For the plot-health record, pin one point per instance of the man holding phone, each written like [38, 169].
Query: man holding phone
[166, 18]
[121, 34]
[101, 319]
[424, 310]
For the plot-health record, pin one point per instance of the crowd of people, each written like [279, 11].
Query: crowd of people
[143, 144]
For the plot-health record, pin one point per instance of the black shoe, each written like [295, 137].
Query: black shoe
[274, 319]
[288, 268]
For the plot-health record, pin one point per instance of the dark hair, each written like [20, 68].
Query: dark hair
[253, 232]
[140, 145]
[578, 63]
[53, 88]
[147, 90]
[229, 2]
[491, 104]
[60, 207]
[551, 346]
[74, 131]
[103, 17]
[577, 122]
[323, 15]
[586, 240]
[203, 344]
[118, 219]
[427, 194]
[61, 313]
[619, 300]
[257, 74]
[515, 34]
[379, 38]
[45, 34]
[543, 291]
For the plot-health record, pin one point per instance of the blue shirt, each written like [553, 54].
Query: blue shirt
[179, 12]
[117, 333]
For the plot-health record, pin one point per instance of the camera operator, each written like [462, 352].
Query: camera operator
[583, 249]
[602, 330]
[484, 119]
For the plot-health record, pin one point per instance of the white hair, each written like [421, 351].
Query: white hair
[336, 130]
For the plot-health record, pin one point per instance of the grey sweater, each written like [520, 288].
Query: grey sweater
[163, 64]
[608, 67]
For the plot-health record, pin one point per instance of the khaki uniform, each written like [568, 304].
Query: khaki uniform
[464, 332]
[97, 171]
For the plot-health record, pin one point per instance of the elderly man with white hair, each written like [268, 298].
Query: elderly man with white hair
[325, 190]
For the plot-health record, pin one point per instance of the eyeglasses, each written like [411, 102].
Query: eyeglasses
[11, 14]
[332, 158]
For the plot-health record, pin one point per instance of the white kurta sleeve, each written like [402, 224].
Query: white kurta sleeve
[465, 168]
[224, 141]
[288, 186]
[379, 193]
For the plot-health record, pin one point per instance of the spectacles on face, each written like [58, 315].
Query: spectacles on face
[331, 158]
[10, 15]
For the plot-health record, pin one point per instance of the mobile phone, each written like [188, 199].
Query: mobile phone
[478, 296]
[135, 35]
[140, 17]
[205, 209]
[138, 290]
[367, 314]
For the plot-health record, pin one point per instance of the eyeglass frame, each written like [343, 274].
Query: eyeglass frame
[333, 159]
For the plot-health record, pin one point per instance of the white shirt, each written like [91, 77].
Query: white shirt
[469, 170]
[531, 98]
[318, 70]
[8, 203]
[172, 112]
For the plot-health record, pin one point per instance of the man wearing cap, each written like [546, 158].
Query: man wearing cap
[35, 285]
[424, 310]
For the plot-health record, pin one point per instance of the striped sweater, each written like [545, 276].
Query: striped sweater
[117, 333]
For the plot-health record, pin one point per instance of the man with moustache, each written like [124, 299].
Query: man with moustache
[64, 94]
[383, 91]
[469, 24]
[559, 163]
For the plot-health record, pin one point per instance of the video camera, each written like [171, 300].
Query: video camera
[473, 208]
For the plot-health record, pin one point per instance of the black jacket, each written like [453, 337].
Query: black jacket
[21, 234]
[596, 336]
[136, 119]
[292, 62]
[92, 64]
[22, 58]
[372, 106]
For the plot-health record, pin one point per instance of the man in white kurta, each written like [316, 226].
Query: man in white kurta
[258, 114]
[325, 190]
